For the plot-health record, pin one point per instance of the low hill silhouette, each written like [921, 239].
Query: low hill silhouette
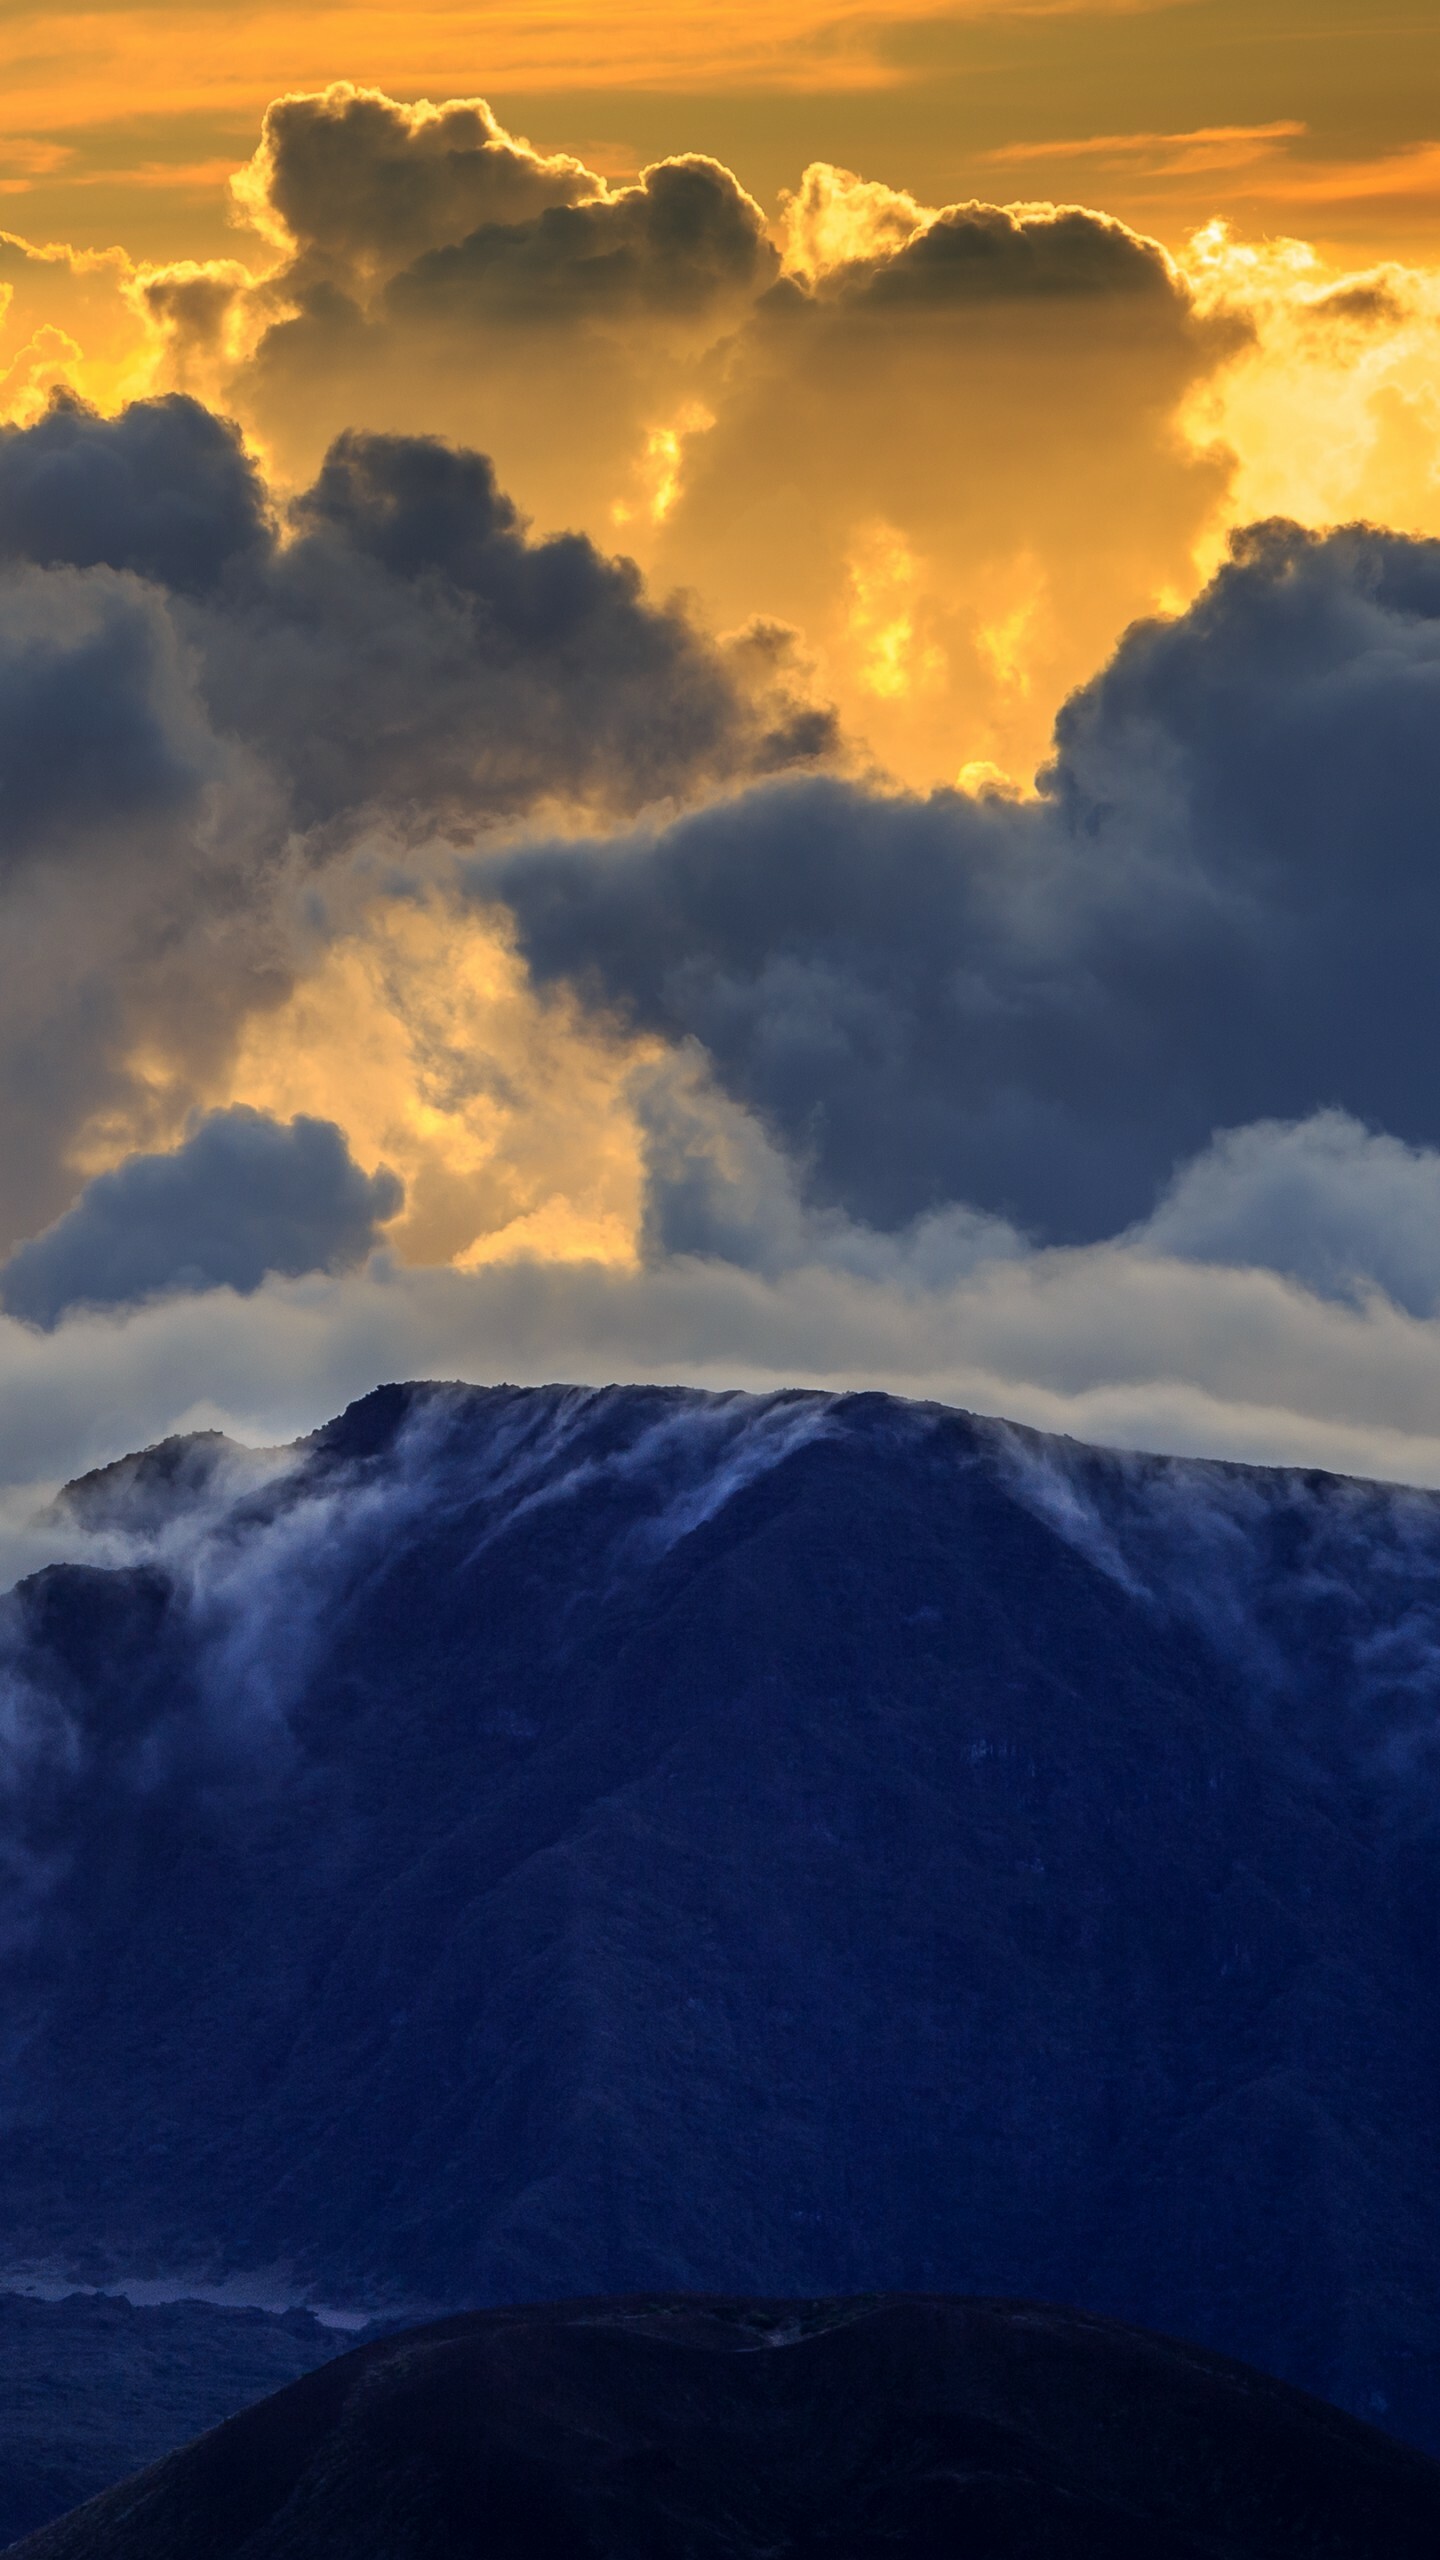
[679, 2429]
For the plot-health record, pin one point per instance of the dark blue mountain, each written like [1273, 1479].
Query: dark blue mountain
[681, 2428]
[530, 1843]
[90, 2389]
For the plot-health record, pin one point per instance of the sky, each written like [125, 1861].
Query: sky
[723, 696]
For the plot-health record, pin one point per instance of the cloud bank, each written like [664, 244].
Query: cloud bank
[1114, 1346]
[1223, 908]
[941, 440]
[243, 1197]
[359, 829]
[206, 697]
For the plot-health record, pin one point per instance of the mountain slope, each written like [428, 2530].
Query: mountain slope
[692, 2430]
[532, 1842]
[91, 2388]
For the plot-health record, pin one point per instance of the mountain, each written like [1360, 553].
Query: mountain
[853, 2430]
[525, 1843]
[91, 2388]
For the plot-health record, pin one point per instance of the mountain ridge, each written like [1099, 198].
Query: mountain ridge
[524, 1841]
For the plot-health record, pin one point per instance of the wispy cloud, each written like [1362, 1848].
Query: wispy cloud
[25, 158]
[1160, 155]
[1411, 175]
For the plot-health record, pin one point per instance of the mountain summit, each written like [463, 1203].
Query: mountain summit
[543, 1842]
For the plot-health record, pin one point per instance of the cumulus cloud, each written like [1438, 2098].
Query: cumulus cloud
[880, 1086]
[1339, 1207]
[1222, 909]
[100, 732]
[962, 446]
[201, 698]
[130, 832]
[971, 253]
[164, 489]
[64, 316]
[436, 273]
[683, 245]
[950, 445]
[409, 648]
[406, 646]
[354, 186]
[718, 1187]
[941, 442]
[243, 1197]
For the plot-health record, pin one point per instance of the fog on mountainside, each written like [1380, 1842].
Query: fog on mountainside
[525, 1842]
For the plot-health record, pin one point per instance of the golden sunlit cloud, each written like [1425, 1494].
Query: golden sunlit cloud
[886, 594]
[1332, 408]
[66, 318]
[834, 217]
[951, 499]
[507, 1119]
[660, 467]
[877, 478]
[1017, 636]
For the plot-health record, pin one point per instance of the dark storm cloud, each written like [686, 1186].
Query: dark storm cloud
[469, 221]
[406, 648]
[165, 489]
[131, 833]
[1225, 907]
[409, 233]
[984, 252]
[98, 734]
[197, 702]
[681, 241]
[410, 648]
[243, 1197]
[362, 185]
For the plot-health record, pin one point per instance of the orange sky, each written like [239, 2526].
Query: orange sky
[117, 121]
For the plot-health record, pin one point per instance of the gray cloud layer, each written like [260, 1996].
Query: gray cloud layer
[245, 1196]
[684, 244]
[165, 489]
[1110, 1345]
[1340, 1208]
[1224, 908]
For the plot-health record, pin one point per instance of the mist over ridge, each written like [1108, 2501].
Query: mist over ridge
[523, 1841]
